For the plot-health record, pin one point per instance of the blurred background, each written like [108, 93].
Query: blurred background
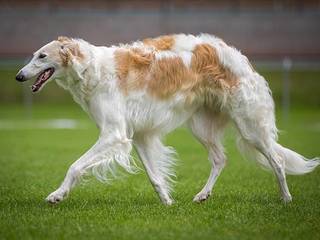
[281, 38]
[42, 134]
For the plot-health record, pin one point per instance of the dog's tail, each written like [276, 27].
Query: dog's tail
[294, 163]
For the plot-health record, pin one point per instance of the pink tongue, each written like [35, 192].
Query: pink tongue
[35, 87]
[45, 75]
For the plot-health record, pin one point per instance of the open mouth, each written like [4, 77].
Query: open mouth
[41, 79]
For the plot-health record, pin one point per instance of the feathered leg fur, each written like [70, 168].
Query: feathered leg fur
[158, 162]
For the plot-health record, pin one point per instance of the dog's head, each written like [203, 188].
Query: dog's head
[50, 62]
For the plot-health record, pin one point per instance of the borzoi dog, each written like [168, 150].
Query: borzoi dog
[137, 93]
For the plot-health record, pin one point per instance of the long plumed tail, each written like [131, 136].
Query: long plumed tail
[295, 164]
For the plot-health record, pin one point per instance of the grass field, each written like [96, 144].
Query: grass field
[245, 204]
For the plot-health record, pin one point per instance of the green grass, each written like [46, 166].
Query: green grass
[245, 203]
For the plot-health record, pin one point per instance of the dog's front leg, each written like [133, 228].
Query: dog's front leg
[107, 150]
[113, 146]
[76, 170]
[158, 162]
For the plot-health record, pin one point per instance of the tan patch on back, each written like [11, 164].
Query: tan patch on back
[205, 62]
[168, 76]
[161, 78]
[205, 77]
[132, 67]
[164, 77]
[161, 43]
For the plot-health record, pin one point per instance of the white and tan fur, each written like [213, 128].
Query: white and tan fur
[139, 92]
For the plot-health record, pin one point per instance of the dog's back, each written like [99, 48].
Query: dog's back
[195, 66]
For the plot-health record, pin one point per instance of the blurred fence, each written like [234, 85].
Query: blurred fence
[261, 29]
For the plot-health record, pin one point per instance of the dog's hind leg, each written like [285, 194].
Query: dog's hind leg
[265, 150]
[158, 163]
[253, 115]
[208, 127]
[278, 166]
[260, 141]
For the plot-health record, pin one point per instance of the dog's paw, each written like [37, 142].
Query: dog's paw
[287, 198]
[201, 196]
[56, 197]
[168, 202]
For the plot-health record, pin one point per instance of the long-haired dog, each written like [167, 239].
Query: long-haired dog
[139, 92]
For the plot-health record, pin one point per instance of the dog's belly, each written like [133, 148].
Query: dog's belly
[161, 117]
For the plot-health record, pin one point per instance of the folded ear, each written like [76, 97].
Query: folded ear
[69, 50]
[64, 39]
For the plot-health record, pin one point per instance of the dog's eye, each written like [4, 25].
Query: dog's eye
[42, 55]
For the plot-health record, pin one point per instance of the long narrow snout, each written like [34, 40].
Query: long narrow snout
[41, 77]
[21, 77]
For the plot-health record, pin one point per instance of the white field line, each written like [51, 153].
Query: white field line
[7, 124]
[62, 123]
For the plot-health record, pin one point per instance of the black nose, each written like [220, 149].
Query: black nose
[20, 77]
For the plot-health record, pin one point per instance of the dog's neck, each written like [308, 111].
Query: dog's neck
[83, 77]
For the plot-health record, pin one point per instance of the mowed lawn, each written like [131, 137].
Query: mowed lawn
[245, 204]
